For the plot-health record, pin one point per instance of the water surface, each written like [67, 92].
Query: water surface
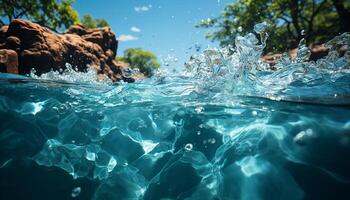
[227, 128]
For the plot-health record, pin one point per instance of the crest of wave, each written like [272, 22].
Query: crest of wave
[71, 75]
[239, 70]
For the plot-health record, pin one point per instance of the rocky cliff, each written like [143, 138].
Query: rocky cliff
[25, 46]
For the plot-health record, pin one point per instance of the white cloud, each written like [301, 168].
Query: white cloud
[143, 8]
[125, 38]
[135, 29]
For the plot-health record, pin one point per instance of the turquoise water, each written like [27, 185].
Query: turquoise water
[227, 128]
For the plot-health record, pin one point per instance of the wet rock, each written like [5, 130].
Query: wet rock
[3, 31]
[318, 51]
[43, 50]
[293, 53]
[8, 61]
[271, 59]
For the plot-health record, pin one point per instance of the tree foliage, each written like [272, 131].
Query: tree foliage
[89, 22]
[54, 14]
[139, 58]
[320, 20]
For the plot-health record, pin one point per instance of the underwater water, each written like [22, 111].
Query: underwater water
[227, 128]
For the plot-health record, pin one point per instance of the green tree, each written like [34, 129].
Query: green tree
[89, 22]
[139, 58]
[54, 14]
[319, 20]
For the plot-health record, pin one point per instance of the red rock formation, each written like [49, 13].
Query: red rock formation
[8, 61]
[317, 51]
[271, 58]
[3, 31]
[44, 50]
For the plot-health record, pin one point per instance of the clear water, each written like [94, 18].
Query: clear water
[227, 128]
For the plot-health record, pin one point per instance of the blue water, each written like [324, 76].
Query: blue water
[227, 128]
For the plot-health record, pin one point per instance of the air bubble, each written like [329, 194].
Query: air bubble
[261, 27]
[212, 141]
[76, 191]
[188, 147]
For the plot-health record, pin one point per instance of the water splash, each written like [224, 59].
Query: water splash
[239, 71]
[71, 75]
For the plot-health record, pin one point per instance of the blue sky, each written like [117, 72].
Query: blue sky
[165, 27]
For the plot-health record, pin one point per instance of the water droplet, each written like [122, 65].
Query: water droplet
[76, 191]
[197, 47]
[261, 27]
[188, 147]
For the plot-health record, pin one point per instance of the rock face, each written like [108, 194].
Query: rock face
[317, 51]
[8, 61]
[27, 46]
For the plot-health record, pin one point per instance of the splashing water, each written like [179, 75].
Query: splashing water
[239, 71]
[227, 128]
[72, 75]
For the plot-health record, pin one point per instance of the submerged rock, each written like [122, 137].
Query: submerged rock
[43, 50]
